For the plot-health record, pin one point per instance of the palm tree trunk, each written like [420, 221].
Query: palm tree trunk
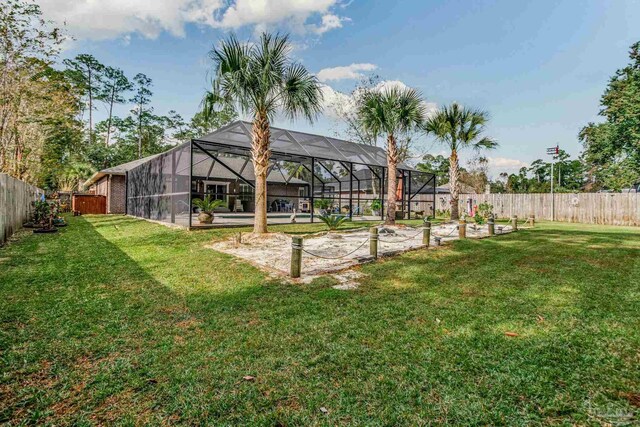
[392, 180]
[260, 154]
[454, 174]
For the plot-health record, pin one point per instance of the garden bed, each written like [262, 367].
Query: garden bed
[337, 250]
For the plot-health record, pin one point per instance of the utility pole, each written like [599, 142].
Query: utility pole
[553, 151]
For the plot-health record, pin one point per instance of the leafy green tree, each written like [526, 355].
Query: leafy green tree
[612, 148]
[39, 105]
[261, 79]
[390, 112]
[458, 128]
[437, 165]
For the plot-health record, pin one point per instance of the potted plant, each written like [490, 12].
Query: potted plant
[44, 215]
[376, 206]
[206, 207]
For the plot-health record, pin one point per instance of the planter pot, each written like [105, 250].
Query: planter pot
[205, 218]
[45, 230]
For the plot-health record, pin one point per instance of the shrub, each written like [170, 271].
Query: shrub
[322, 203]
[485, 210]
[333, 221]
[479, 218]
[376, 205]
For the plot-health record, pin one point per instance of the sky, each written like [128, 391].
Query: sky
[539, 68]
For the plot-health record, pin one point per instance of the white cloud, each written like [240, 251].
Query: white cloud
[338, 104]
[506, 163]
[329, 22]
[349, 72]
[108, 19]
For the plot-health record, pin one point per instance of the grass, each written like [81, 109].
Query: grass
[119, 321]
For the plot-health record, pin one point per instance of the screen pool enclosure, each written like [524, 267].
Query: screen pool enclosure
[308, 174]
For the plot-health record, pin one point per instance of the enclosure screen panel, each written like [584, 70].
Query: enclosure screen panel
[159, 188]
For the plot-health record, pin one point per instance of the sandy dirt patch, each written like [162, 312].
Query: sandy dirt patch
[335, 251]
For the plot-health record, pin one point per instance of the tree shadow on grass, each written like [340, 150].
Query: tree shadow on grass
[85, 325]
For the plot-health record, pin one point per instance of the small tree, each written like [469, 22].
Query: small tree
[458, 127]
[390, 112]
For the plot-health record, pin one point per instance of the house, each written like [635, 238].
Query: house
[446, 189]
[111, 183]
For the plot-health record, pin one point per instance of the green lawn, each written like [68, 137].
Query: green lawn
[115, 320]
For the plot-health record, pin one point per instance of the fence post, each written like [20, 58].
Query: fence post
[514, 223]
[373, 242]
[296, 256]
[426, 233]
[462, 229]
[532, 219]
[491, 225]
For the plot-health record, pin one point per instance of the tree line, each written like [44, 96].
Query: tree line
[49, 135]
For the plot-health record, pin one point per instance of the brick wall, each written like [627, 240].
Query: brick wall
[116, 200]
[113, 187]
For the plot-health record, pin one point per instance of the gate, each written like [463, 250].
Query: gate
[89, 204]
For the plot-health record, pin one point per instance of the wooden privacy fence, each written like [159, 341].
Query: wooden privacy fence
[16, 199]
[89, 203]
[590, 208]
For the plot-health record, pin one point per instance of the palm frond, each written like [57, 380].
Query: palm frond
[459, 127]
[302, 94]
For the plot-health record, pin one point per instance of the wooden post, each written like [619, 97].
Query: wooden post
[296, 256]
[462, 229]
[426, 233]
[491, 225]
[373, 242]
[514, 223]
[532, 220]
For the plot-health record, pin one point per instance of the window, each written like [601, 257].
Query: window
[217, 191]
[246, 192]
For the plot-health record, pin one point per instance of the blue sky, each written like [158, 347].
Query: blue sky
[539, 68]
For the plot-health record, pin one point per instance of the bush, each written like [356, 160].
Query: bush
[479, 218]
[485, 210]
[333, 221]
[322, 203]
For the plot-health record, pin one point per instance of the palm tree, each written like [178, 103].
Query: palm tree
[458, 127]
[262, 80]
[391, 112]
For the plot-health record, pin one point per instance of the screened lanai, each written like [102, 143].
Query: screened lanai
[308, 175]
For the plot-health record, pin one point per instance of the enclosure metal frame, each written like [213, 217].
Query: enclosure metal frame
[404, 172]
[320, 165]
